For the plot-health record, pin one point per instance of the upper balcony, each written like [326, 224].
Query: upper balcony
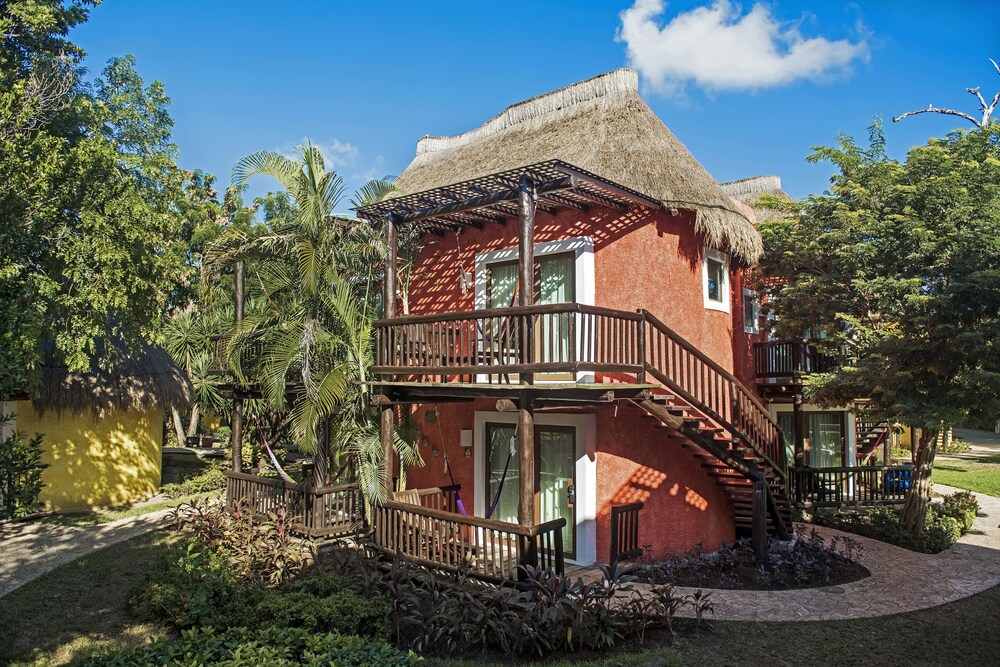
[781, 365]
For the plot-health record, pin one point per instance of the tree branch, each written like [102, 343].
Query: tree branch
[933, 109]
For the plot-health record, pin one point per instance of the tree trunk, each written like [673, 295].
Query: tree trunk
[193, 424]
[919, 496]
[178, 425]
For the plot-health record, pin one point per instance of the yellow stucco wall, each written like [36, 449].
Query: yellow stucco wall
[97, 461]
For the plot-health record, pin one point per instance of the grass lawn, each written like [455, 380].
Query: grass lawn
[82, 607]
[980, 475]
[94, 518]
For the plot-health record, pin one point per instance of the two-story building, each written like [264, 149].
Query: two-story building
[571, 337]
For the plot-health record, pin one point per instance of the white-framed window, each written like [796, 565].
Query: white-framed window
[751, 312]
[715, 277]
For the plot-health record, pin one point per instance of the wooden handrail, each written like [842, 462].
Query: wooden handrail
[490, 313]
[901, 466]
[476, 522]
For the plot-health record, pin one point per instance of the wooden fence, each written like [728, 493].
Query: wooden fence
[855, 485]
[327, 511]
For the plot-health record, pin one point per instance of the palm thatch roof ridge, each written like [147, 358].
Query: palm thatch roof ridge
[148, 377]
[601, 125]
[750, 190]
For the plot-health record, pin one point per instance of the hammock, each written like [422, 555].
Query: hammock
[270, 453]
[503, 477]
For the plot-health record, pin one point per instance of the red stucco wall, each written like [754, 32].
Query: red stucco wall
[643, 259]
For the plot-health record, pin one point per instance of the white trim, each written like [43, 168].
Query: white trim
[752, 295]
[586, 471]
[583, 273]
[726, 288]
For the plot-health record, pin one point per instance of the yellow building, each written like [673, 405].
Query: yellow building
[103, 431]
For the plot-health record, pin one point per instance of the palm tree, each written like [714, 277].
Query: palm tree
[315, 330]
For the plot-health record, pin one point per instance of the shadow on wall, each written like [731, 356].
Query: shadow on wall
[96, 462]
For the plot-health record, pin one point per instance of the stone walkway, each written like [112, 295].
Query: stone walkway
[29, 550]
[900, 581]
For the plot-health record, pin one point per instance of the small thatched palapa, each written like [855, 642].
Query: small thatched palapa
[148, 377]
[750, 190]
[601, 125]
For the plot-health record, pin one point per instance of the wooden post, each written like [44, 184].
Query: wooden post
[391, 264]
[799, 429]
[758, 531]
[236, 422]
[526, 201]
[526, 460]
[387, 427]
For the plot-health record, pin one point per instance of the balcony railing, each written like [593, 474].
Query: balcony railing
[487, 549]
[326, 511]
[498, 343]
[788, 359]
[856, 485]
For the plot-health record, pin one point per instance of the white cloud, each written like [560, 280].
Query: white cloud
[718, 47]
[337, 154]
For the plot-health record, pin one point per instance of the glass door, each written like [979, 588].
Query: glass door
[555, 456]
[557, 494]
[555, 275]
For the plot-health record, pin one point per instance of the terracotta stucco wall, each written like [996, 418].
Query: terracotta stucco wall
[642, 259]
[96, 462]
[635, 461]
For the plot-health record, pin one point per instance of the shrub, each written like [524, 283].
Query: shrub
[961, 506]
[20, 473]
[809, 561]
[276, 647]
[429, 612]
[212, 478]
[955, 446]
[943, 525]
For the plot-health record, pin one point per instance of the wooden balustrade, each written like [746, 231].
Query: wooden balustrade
[788, 359]
[716, 392]
[487, 549]
[855, 485]
[443, 498]
[625, 532]
[499, 343]
[327, 511]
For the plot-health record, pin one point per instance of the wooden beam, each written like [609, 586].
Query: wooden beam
[387, 429]
[601, 200]
[473, 203]
[526, 201]
[526, 460]
[236, 421]
[758, 529]
[559, 200]
[607, 186]
[391, 264]
[506, 405]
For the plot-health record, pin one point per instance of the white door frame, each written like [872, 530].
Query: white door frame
[585, 481]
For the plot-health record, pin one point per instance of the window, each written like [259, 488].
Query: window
[716, 278]
[751, 312]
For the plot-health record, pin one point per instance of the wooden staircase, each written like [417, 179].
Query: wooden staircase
[734, 435]
[870, 434]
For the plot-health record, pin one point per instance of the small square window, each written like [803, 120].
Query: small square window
[716, 278]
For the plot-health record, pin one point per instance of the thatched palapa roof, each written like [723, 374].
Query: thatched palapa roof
[148, 377]
[750, 190]
[603, 126]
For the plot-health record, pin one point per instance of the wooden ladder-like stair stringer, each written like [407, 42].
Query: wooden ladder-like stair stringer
[728, 459]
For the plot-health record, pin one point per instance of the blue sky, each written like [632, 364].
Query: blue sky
[747, 88]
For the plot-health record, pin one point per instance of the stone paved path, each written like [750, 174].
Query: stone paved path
[900, 581]
[29, 550]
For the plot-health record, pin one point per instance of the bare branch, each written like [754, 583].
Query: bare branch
[933, 109]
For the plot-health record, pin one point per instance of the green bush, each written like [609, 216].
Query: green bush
[275, 647]
[212, 478]
[961, 506]
[20, 473]
[955, 446]
[943, 526]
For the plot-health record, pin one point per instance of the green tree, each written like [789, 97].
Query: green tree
[899, 263]
[91, 243]
[316, 298]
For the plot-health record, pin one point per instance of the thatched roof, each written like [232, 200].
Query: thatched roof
[601, 125]
[750, 190]
[146, 378]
